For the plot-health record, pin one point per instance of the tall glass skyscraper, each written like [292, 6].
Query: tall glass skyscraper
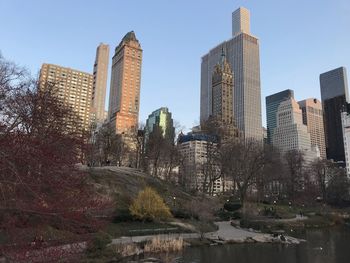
[242, 52]
[272, 103]
[161, 118]
[334, 95]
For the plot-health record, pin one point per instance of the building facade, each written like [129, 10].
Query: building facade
[313, 119]
[100, 84]
[196, 149]
[242, 52]
[345, 118]
[73, 87]
[124, 97]
[272, 103]
[160, 118]
[222, 92]
[334, 96]
[290, 132]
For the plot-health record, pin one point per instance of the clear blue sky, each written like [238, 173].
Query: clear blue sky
[299, 39]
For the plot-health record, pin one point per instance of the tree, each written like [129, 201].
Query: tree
[148, 205]
[40, 146]
[323, 170]
[269, 182]
[243, 161]
[216, 131]
[203, 211]
[106, 147]
[294, 177]
[338, 189]
[155, 147]
[161, 154]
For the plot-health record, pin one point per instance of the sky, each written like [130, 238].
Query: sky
[298, 40]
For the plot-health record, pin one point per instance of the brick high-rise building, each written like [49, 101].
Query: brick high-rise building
[313, 119]
[100, 84]
[242, 52]
[124, 97]
[73, 87]
[334, 95]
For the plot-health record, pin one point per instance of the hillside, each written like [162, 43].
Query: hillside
[123, 184]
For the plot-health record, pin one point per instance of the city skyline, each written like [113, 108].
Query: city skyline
[242, 53]
[298, 70]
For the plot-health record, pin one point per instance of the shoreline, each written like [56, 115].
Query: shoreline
[226, 234]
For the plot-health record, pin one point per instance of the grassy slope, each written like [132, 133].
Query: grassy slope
[123, 184]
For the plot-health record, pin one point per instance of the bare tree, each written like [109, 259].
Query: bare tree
[107, 148]
[338, 189]
[216, 131]
[161, 154]
[294, 177]
[322, 170]
[243, 161]
[203, 211]
[269, 182]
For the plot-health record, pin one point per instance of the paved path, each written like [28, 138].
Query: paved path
[228, 232]
[138, 239]
[225, 232]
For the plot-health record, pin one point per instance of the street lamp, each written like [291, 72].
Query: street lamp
[174, 199]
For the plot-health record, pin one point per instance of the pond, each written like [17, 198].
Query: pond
[330, 245]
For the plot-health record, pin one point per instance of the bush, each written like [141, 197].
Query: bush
[122, 215]
[236, 215]
[98, 245]
[232, 206]
[149, 206]
[224, 215]
[182, 214]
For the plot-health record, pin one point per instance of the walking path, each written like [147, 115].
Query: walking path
[225, 233]
[139, 239]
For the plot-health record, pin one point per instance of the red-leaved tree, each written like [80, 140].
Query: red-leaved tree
[40, 146]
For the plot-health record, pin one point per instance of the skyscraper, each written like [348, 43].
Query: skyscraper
[290, 132]
[345, 117]
[272, 103]
[100, 84]
[73, 87]
[313, 119]
[222, 90]
[124, 98]
[334, 95]
[161, 118]
[242, 53]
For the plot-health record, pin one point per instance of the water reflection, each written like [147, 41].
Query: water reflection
[323, 246]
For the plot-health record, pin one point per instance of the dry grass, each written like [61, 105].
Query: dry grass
[167, 245]
[126, 250]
